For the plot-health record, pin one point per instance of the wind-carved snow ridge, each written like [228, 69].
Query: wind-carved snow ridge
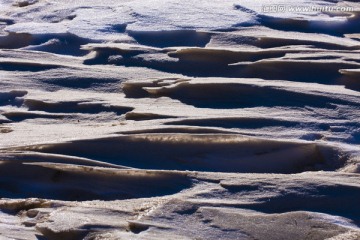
[179, 119]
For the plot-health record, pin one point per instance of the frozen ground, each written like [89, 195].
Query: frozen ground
[177, 119]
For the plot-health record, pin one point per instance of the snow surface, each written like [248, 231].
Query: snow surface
[173, 119]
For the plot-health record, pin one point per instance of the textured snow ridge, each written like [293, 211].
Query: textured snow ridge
[179, 120]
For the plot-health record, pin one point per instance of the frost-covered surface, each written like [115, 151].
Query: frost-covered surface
[179, 120]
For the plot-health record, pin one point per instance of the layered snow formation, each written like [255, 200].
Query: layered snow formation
[168, 119]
